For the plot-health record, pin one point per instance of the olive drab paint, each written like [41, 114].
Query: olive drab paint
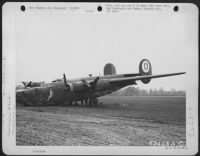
[89, 88]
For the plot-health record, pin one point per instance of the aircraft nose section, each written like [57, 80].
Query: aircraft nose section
[19, 94]
[20, 97]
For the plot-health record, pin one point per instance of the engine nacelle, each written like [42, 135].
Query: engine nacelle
[145, 69]
[69, 87]
[74, 87]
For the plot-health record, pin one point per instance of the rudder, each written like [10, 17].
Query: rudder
[145, 69]
[109, 69]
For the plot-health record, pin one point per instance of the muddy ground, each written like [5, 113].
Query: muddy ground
[124, 121]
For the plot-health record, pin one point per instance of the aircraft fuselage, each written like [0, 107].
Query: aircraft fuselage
[56, 92]
[62, 90]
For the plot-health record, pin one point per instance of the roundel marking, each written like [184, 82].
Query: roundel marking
[145, 66]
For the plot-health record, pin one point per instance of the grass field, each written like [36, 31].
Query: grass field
[124, 121]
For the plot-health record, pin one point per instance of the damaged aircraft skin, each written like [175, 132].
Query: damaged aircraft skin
[86, 90]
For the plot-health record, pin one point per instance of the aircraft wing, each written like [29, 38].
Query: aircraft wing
[142, 77]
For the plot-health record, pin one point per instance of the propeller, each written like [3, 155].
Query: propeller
[92, 84]
[27, 84]
[91, 87]
[65, 83]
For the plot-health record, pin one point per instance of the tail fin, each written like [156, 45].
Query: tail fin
[109, 69]
[145, 69]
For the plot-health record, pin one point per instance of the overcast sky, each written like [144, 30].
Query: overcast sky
[49, 45]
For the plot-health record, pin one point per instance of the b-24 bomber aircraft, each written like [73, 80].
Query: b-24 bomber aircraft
[86, 90]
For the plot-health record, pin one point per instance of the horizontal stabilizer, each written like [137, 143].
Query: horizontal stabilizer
[133, 79]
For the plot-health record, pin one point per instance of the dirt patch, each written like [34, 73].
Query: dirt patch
[106, 125]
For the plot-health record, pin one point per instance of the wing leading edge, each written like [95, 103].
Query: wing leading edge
[143, 77]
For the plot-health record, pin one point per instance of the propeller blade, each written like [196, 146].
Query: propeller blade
[24, 83]
[29, 84]
[65, 83]
[95, 81]
[65, 80]
[93, 84]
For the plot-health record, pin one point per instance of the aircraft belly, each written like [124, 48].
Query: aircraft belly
[76, 96]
